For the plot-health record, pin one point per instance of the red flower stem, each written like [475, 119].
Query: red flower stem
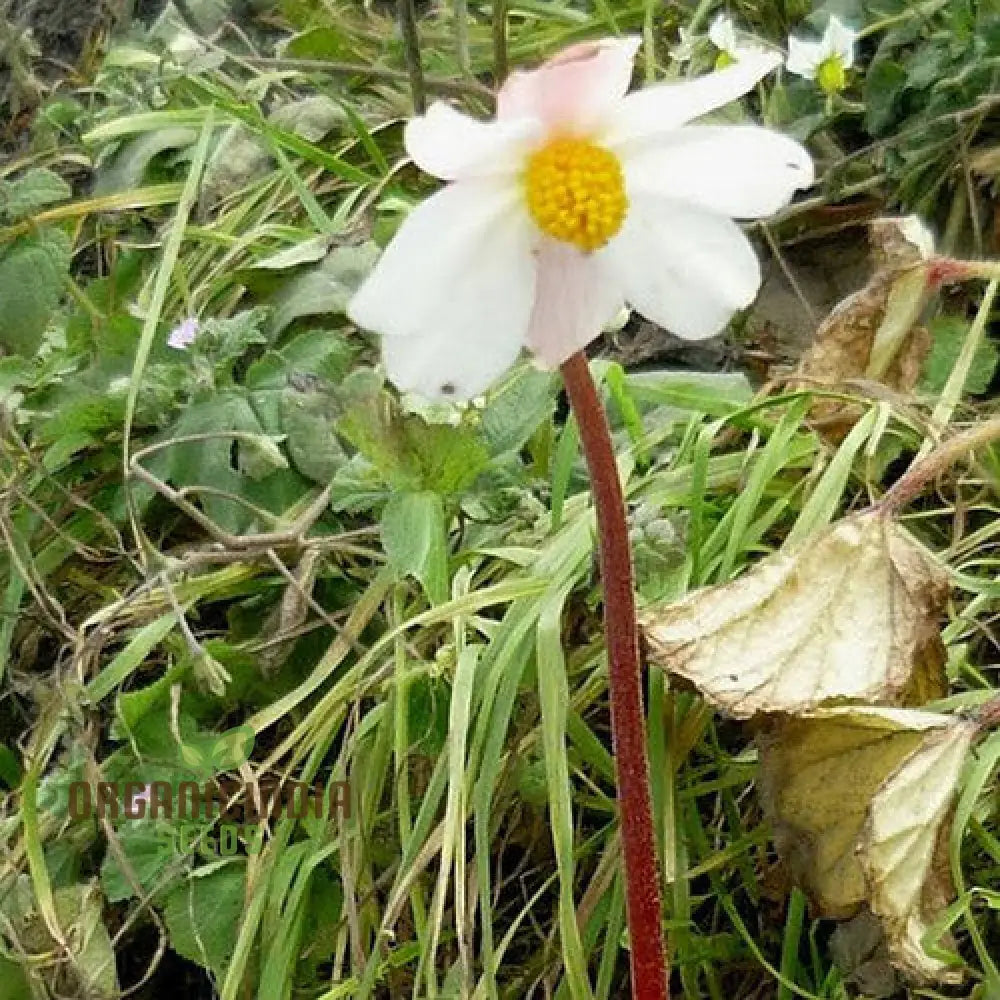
[628, 728]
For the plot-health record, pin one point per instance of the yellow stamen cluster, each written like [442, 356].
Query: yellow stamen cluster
[576, 192]
[831, 75]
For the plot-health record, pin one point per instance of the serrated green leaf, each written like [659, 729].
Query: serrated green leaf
[308, 420]
[203, 916]
[36, 189]
[212, 463]
[513, 414]
[415, 540]
[325, 288]
[32, 273]
[227, 339]
[408, 452]
[148, 853]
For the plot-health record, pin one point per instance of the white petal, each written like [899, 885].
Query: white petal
[664, 107]
[683, 267]
[575, 89]
[472, 332]
[803, 57]
[415, 278]
[722, 34]
[743, 171]
[450, 145]
[577, 295]
[839, 40]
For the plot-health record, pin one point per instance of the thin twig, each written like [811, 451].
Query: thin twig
[927, 469]
[407, 14]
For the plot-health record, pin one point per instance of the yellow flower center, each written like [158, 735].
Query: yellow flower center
[831, 75]
[576, 192]
[723, 59]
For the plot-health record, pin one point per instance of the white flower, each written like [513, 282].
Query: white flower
[722, 34]
[182, 336]
[576, 200]
[826, 61]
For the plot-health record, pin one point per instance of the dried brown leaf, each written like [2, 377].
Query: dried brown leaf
[859, 797]
[904, 850]
[851, 615]
[873, 334]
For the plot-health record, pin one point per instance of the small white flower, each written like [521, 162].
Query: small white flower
[182, 336]
[722, 34]
[826, 61]
[577, 200]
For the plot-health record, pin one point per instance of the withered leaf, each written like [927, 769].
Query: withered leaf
[852, 614]
[872, 333]
[858, 797]
[904, 853]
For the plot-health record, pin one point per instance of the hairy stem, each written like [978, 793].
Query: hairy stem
[642, 877]
[927, 469]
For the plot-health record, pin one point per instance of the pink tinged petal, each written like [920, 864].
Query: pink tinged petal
[683, 267]
[183, 335]
[655, 110]
[577, 89]
[742, 171]
[577, 295]
[466, 320]
[416, 278]
[448, 144]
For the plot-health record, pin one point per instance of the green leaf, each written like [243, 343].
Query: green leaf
[10, 767]
[91, 960]
[415, 540]
[32, 272]
[310, 117]
[325, 288]
[237, 159]
[210, 463]
[320, 353]
[949, 333]
[306, 252]
[308, 420]
[127, 169]
[884, 85]
[227, 339]
[513, 414]
[14, 980]
[320, 43]
[203, 915]
[36, 189]
[147, 853]
[408, 452]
